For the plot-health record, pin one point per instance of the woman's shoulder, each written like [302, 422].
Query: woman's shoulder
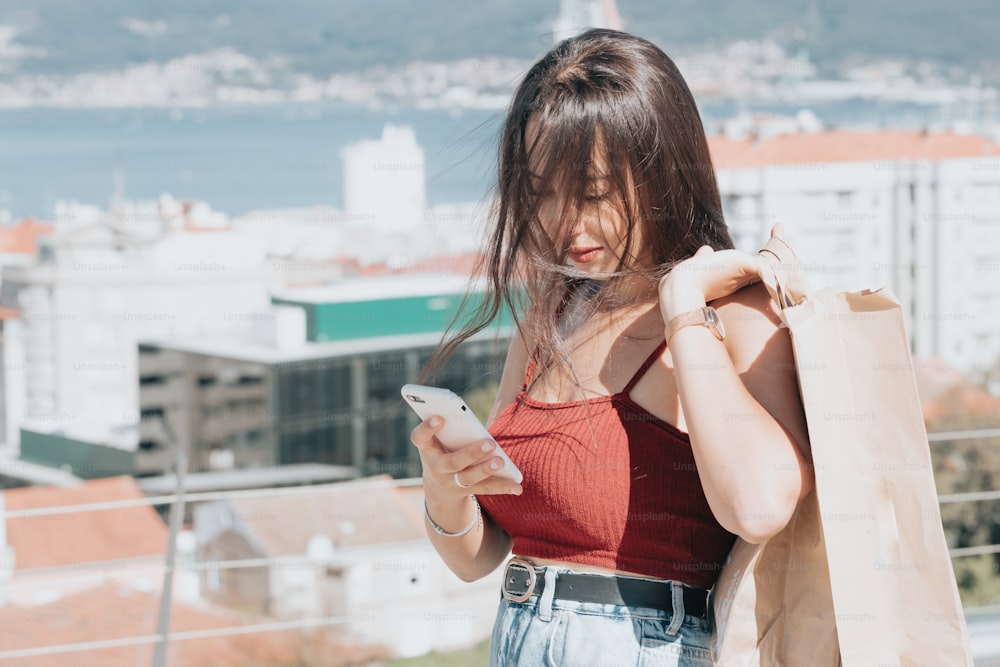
[512, 378]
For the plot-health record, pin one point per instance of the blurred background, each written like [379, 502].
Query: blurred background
[230, 232]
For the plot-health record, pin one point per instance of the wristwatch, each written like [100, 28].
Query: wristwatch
[705, 316]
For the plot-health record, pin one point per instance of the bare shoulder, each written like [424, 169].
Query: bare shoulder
[512, 378]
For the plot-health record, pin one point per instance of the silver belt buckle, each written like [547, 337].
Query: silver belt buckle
[516, 571]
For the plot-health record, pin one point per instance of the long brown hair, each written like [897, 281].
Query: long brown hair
[620, 94]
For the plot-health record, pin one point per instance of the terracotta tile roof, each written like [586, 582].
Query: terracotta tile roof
[190, 226]
[945, 392]
[413, 496]
[935, 377]
[847, 146]
[22, 238]
[462, 264]
[358, 513]
[83, 537]
[112, 611]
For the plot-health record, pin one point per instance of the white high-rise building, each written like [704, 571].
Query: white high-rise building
[916, 212]
[384, 184]
[575, 16]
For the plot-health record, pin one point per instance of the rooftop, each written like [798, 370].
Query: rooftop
[83, 537]
[249, 478]
[35, 473]
[112, 611]
[847, 146]
[352, 514]
[232, 348]
[378, 287]
[22, 238]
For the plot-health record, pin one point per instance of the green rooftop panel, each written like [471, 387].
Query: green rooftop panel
[86, 460]
[349, 320]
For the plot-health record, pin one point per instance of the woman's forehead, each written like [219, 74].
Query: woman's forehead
[537, 151]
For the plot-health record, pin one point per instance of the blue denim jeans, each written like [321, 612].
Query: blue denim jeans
[566, 633]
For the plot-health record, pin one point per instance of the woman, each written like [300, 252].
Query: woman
[649, 435]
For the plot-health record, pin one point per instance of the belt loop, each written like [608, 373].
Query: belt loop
[677, 593]
[548, 592]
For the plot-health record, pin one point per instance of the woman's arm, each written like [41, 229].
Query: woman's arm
[741, 405]
[481, 550]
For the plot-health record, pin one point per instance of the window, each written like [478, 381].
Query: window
[152, 413]
[386, 374]
[335, 382]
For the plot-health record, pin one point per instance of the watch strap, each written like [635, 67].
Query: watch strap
[705, 316]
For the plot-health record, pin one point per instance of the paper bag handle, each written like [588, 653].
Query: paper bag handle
[781, 272]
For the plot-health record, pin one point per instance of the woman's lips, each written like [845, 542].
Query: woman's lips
[583, 255]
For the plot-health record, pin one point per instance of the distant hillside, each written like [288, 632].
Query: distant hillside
[324, 36]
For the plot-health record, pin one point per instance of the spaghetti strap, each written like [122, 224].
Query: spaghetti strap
[650, 360]
[527, 375]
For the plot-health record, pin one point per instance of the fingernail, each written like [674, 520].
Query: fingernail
[487, 446]
[495, 464]
[434, 422]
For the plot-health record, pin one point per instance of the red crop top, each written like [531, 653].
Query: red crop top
[633, 502]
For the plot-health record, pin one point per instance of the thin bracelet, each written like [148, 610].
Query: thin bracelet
[476, 520]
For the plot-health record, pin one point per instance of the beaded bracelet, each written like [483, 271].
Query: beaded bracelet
[476, 520]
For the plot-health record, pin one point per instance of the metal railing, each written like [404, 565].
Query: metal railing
[177, 501]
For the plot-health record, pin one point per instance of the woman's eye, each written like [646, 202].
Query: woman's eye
[596, 196]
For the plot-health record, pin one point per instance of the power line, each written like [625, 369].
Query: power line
[173, 636]
[959, 552]
[971, 497]
[202, 496]
[267, 492]
[105, 569]
[290, 558]
[964, 435]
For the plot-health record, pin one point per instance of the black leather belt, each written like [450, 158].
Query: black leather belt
[521, 580]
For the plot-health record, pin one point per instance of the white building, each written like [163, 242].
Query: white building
[916, 212]
[353, 549]
[386, 218]
[384, 185]
[102, 284]
[575, 16]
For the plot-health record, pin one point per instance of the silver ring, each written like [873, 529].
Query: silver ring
[459, 483]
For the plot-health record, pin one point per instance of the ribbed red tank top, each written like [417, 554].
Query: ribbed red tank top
[630, 500]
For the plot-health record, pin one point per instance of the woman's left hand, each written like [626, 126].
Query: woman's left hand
[705, 276]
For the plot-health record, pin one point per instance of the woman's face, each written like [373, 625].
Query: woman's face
[595, 241]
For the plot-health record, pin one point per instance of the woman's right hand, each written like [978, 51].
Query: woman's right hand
[474, 464]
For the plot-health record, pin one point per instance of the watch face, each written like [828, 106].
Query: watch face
[714, 323]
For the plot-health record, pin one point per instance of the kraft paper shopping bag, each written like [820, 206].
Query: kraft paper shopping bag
[861, 575]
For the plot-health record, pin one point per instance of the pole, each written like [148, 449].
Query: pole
[176, 517]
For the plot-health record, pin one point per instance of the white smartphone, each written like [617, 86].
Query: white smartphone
[461, 426]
